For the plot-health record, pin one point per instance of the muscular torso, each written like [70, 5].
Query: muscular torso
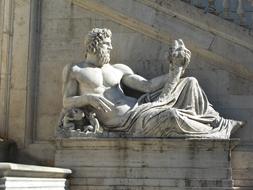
[104, 81]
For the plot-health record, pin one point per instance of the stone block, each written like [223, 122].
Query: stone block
[240, 86]
[146, 188]
[175, 28]
[46, 133]
[20, 45]
[24, 177]
[50, 84]
[64, 29]
[215, 82]
[245, 157]
[44, 154]
[242, 165]
[17, 102]
[147, 163]
[236, 101]
[61, 55]
[26, 183]
[17, 131]
[232, 51]
[66, 10]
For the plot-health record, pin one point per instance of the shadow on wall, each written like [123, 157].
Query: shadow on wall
[8, 151]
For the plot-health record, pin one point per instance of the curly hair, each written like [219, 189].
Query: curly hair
[95, 38]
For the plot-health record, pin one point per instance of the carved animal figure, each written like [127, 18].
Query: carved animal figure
[73, 119]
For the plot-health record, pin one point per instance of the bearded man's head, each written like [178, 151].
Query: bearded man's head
[98, 42]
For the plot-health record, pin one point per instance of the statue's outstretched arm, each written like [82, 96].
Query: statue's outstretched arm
[139, 83]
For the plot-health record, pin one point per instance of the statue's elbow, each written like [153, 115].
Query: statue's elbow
[66, 103]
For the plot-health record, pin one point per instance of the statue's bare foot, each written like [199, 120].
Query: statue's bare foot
[237, 125]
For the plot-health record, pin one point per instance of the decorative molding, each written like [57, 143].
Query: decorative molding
[161, 36]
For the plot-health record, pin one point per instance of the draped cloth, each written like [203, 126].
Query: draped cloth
[186, 112]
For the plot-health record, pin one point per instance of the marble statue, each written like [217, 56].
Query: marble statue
[170, 106]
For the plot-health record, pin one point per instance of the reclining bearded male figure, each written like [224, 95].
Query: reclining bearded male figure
[170, 107]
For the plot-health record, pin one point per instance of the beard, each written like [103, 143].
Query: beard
[103, 57]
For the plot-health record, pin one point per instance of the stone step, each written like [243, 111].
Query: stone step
[75, 187]
[24, 183]
[152, 173]
[150, 182]
[243, 173]
[29, 177]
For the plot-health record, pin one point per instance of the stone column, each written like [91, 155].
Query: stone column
[6, 15]
[17, 69]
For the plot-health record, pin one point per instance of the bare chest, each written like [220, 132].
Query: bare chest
[98, 77]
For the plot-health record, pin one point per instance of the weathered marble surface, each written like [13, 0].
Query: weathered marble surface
[23, 177]
[170, 106]
[146, 163]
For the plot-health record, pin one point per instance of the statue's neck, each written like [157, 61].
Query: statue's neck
[92, 59]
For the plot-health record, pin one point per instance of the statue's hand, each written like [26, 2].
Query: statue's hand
[178, 54]
[100, 103]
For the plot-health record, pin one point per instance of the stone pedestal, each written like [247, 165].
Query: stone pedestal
[242, 164]
[146, 163]
[30, 177]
